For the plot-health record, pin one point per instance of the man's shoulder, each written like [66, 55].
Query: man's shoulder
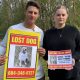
[39, 29]
[16, 26]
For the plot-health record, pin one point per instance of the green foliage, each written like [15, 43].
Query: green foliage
[47, 9]
[12, 12]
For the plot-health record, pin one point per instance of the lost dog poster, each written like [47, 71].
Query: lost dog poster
[22, 55]
[60, 59]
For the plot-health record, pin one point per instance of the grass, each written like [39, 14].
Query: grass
[1, 72]
[45, 68]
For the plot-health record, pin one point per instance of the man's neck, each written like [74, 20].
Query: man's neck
[30, 26]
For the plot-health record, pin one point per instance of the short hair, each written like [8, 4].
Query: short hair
[33, 3]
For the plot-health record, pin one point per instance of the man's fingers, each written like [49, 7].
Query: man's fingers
[2, 62]
[2, 59]
[41, 51]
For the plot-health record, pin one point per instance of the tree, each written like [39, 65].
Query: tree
[12, 12]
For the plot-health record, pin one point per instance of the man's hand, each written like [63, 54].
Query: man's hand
[2, 59]
[41, 51]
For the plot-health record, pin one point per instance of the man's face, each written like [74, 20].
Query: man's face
[31, 14]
